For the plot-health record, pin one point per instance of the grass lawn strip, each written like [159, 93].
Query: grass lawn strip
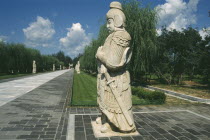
[84, 90]
[12, 76]
[85, 93]
[8, 76]
[201, 93]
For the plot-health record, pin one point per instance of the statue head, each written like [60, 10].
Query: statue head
[115, 17]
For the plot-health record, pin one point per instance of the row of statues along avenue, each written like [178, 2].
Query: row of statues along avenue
[34, 67]
[113, 80]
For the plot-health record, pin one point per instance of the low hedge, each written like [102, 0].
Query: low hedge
[152, 97]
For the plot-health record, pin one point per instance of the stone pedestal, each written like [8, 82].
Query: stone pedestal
[96, 129]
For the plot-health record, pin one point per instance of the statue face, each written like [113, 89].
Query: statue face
[110, 25]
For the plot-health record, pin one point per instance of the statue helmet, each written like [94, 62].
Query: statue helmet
[116, 14]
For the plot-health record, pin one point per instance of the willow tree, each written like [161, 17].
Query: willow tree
[88, 60]
[141, 25]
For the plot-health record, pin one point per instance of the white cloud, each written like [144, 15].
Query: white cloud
[3, 38]
[177, 14]
[204, 32]
[75, 40]
[39, 32]
[159, 32]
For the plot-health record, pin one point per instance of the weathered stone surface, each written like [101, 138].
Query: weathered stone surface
[34, 67]
[96, 128]
[113, 85]
[77, 67]
[53, 67]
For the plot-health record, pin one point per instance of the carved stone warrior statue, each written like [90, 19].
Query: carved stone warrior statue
[77, 67]
[53, 67]
[113, 80]
[34, 67]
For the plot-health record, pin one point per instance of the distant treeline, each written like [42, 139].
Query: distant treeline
[16, 58]
[169, 56]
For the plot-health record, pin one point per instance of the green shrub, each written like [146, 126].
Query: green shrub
[134, 90]
[152, 97]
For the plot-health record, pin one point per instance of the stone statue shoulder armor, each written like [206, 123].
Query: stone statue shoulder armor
[120, 50]
[122, 38]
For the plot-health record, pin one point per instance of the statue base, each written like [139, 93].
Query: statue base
[96, 129]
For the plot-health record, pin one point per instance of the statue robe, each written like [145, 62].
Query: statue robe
[115, 57]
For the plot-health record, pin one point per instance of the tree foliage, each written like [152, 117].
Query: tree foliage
[140, 24]
[87, 60]
[16, 58]
[179, 53]
[169, 56]
[61, 57]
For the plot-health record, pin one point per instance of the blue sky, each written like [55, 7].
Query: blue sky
[69, 25]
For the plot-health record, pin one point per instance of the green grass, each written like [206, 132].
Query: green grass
[12, 76]
[85, 92]
[7, 76]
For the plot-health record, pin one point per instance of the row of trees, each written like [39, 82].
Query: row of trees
[16, 58]
[169, 56]
[180, 54]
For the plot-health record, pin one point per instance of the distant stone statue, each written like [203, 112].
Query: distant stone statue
[77, 67]
[69, 66]
[113, 80]
[60, 67]
[34, 67]
[53, 67]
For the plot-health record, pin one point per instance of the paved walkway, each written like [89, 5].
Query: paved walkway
[182, 96]
[12, 89]
[179, 122]
[40, 113]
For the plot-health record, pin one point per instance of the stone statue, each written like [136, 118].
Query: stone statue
[34, 67]
[113, 80]
[53, 67]
[60, 67]
[77, 67]
[71, 66]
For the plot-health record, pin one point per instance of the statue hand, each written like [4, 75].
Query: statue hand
[99, 52]
[103, 69]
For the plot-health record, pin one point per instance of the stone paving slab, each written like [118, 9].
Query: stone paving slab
[12, 89]
[39, 114]
[42, 114]
[182, 122]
